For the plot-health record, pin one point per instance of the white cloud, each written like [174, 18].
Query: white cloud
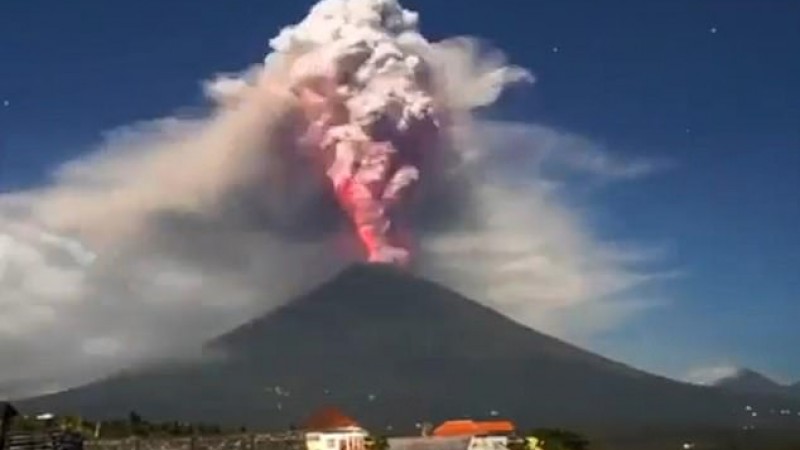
[708, 375]
[102, 346]
[64, 321]
[531, 256]
[711, 373]
[109, 267]
[542, 149]
[531, 259]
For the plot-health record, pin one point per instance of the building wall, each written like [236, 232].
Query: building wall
[430, 443]
[488, 443]
[336, 440]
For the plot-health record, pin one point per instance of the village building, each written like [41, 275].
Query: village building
[430, 443]
[483, 435]
[460, 435]
[331, 429]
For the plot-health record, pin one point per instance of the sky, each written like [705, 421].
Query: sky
[690, 111]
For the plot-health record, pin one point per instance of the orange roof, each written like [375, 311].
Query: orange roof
[471, 428]
[328, 419]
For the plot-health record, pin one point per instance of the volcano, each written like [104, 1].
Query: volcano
[395, 350]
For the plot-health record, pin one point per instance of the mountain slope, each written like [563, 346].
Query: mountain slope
[793, 390]
[393, 349]
[746, 380]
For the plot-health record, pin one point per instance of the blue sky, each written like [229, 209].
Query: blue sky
[709, 86]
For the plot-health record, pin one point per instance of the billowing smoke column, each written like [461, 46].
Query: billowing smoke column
[370, 111]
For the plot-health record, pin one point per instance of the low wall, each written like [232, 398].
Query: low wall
[230, 442]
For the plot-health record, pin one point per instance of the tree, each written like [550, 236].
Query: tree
[518, 443]
[74, 423]
[377, 443]
[560, 439]
[135, 419]
[138, 426]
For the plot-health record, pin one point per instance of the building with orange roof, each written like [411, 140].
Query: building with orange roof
[483, 435]
[331, 429]
[329, 418]
[474, 428]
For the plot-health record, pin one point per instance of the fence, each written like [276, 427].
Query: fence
[29, 442]
[43, 441]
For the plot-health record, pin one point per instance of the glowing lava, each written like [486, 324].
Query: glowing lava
[369, 109]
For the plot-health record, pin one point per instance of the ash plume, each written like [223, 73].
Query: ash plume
[353, 140]
[375, 110]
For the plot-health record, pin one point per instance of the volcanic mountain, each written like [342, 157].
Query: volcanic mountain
[390, 348]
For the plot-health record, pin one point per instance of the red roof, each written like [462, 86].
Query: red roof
[328, 419]
[472, 428]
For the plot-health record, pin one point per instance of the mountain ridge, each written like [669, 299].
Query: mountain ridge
[752, 381]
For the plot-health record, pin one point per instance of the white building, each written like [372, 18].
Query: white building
[489, 442]
[330, 429]
[348, 438]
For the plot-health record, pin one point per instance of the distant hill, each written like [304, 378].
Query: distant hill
[746, 380]
[392, 349]
[795, 389]
[750, 381]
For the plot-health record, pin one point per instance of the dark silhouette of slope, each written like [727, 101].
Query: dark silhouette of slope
[746, 380]
[393, 349]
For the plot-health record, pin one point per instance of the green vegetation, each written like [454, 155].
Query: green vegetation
[559, 439]
[133, 425]
[377, 443]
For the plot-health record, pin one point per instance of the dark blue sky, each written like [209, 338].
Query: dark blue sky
[711, 86]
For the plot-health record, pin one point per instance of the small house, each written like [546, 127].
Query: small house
[484, 435]
[331, 429]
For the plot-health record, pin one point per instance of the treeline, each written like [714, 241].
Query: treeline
[132, 426]
[550, 439]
